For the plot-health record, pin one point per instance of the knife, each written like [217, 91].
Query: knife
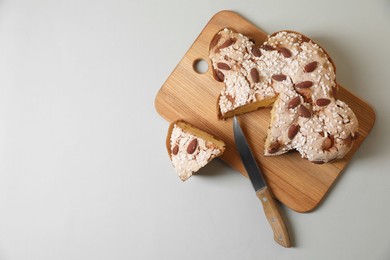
[270, 207]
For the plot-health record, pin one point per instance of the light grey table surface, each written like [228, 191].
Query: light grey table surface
[84, 173]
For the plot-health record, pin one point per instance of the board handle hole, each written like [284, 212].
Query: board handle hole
[200, 66]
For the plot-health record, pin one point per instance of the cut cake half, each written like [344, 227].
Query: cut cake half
[296, 76]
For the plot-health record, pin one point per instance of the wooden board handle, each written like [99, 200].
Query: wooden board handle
[272, 213]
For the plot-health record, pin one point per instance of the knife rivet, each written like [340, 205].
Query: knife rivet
[280, 237]
[265, 199]
[272, 219]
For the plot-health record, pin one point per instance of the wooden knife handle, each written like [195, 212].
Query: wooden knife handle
[272, 213]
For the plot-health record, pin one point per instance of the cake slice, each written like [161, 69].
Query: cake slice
[190, 148]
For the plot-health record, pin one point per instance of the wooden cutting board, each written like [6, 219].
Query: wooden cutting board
[192, 96]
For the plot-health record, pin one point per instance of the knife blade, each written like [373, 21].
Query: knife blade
[270, 206]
